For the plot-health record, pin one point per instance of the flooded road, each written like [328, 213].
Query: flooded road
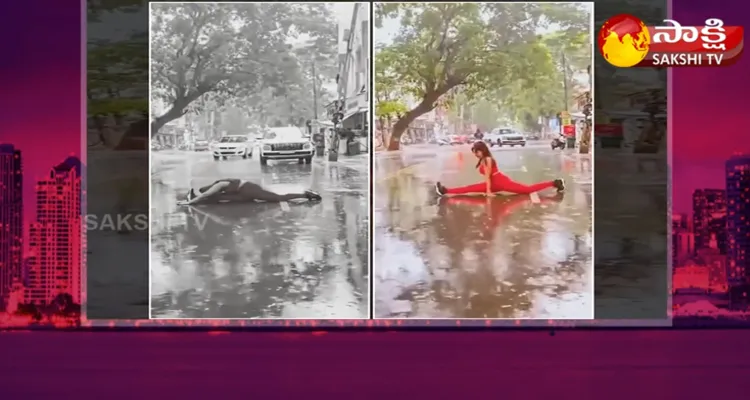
[474, 257]
[261, 260]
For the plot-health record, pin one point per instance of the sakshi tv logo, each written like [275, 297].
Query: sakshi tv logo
[625, 41]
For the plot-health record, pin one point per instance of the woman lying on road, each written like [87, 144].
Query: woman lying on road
[238, 191]
[496, 181]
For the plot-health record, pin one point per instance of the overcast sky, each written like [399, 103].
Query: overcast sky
[386, 33]
[120, 26]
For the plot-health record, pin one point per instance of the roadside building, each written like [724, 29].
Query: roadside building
[354, 69]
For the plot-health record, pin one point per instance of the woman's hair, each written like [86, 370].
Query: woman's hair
[481, 147]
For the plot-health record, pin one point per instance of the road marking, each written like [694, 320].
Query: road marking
[534, 198]
[285, 206]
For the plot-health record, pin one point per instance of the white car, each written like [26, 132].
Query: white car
[505, 137]
[201, 145]
[232, 146]
[287, 143]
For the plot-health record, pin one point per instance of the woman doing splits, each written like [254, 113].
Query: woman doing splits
[496, 181]
[238, 191]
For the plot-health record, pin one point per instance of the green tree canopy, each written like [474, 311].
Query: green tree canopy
[117, 78]
[479, 47]
[390, 109]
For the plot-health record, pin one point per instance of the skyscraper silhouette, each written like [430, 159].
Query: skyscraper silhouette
[11, 218]
[738, 219]
[55, 237]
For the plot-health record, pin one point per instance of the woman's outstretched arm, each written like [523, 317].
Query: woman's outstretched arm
[214, 189]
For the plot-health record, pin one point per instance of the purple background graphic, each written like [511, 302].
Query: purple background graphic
[618, 364]
[708, 123]
[40, 106]
[40, 117]
[707, 129]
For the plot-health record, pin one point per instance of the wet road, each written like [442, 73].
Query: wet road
[509, 257]
[261, 260]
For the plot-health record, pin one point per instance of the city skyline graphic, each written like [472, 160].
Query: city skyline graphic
[41, 259]
[711, 270]
[41, 125]
[710, 183]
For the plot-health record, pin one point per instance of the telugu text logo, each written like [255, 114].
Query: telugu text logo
[625, 41]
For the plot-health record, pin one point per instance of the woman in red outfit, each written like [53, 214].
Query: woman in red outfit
[494, 180]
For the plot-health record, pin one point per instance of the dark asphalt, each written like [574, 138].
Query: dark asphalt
[261, 260]
[473, 257]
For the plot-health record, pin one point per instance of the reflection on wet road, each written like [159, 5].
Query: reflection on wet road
[261, 260]
[473, 257]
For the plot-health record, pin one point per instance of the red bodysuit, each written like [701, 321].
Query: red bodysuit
[499, 182]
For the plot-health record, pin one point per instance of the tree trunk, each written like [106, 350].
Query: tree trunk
[176, 111]
[164, 119]
[427, 104]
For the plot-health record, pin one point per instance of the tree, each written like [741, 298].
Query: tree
[486, 114]
[446, 45]
[385, 112]
[117, 76]
[199, 49]
[231, 51]
[318, 55]
[478, 47]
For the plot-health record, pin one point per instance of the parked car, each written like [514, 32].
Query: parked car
[286, 143]
[202, 145]
[232, 146]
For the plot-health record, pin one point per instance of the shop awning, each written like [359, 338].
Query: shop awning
[354, 112]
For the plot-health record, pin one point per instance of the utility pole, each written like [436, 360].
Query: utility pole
[565, 81]
[460, 121]
[315, 90]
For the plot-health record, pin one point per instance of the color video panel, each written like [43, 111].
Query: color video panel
[483, 199]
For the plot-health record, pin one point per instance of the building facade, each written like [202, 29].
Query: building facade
[354, 68]
[738, 219]
[709, 218]
[55, 238]
[11, 218]
[683, 246]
